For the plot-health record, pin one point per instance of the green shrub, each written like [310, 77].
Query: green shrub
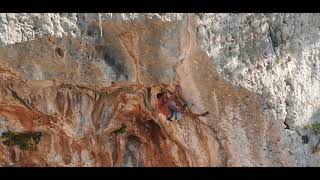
[25, 141]
[315, 127]
[121, 130]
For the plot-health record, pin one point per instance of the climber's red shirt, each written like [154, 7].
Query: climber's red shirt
[164, 102]
[163, 107]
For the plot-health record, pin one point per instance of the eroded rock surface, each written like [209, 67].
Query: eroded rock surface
[88, 83]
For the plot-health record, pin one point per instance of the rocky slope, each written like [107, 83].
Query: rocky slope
[87, 84]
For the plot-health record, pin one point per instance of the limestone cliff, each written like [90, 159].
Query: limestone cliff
[80, 89]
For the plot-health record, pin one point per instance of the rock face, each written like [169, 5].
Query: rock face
[88, 83]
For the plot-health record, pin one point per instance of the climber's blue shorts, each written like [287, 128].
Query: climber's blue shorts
[175, 115]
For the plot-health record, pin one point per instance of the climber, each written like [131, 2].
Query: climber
[168, 107]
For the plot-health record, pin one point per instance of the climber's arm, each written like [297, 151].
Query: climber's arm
[173, 96]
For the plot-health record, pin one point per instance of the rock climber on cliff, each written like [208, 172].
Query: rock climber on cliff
[168, 106]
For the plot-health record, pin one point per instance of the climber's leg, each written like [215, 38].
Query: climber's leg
[204, 114]
[173, 113]
[171, 116]
[178, 115]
